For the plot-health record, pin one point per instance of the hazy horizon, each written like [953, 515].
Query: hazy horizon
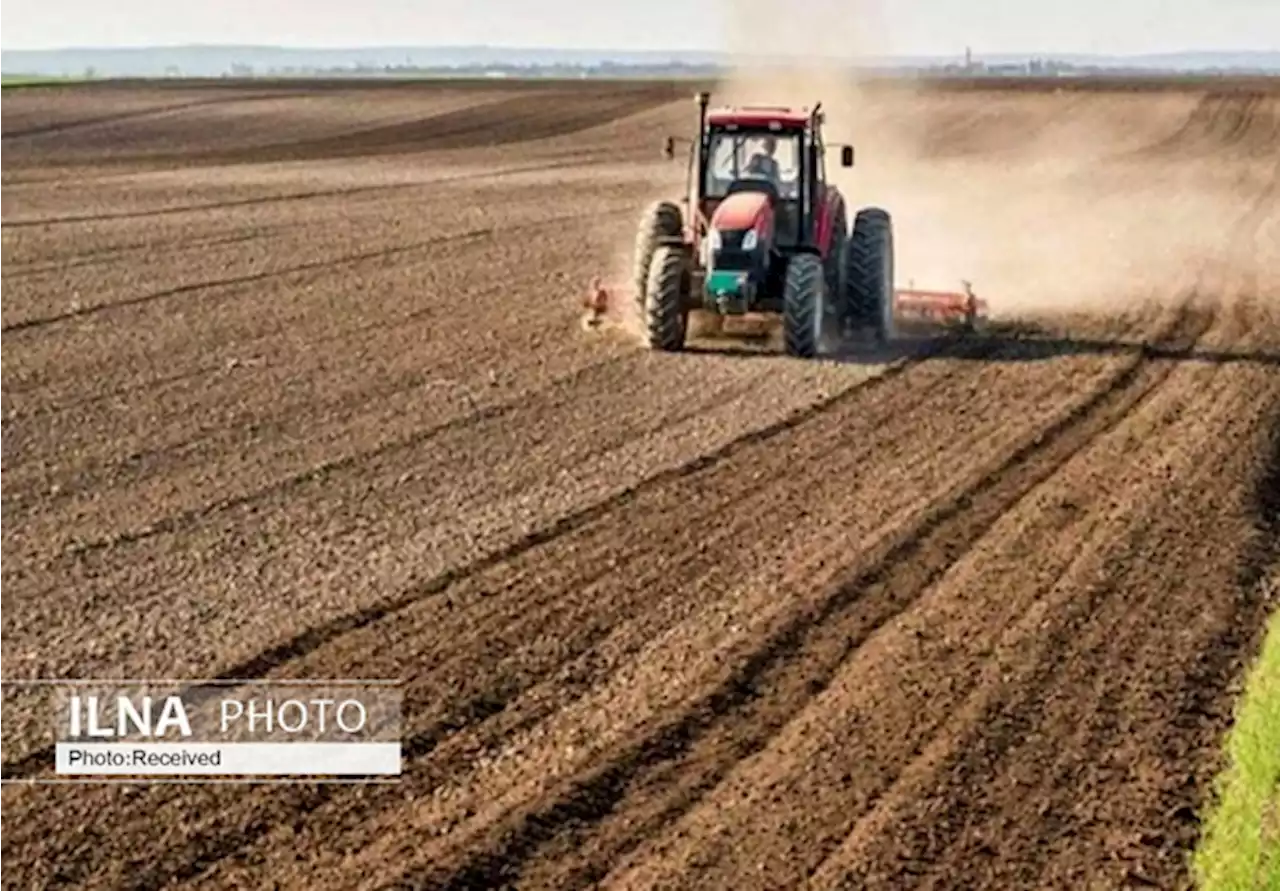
[927, 28]
[602, 48]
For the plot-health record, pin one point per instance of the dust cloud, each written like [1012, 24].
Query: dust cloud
[1044, 200]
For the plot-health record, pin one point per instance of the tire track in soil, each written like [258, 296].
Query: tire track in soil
[311, 194]
[485, 706]
[1144, 629]
[235, 281]
[85, 520]
[108, 256]
[202, 854]
[66, 126]
[520, 118]
[41, 394]
[28, 222]
[186, 519]
[33, 763]
[41, 322]
[135, 466]
[794, 665]
[335, 336]
[234, 431]
[1221, 121]
[263, 664]
[141, 464]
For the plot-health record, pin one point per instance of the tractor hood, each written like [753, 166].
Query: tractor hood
[738, 250]
[741, 211]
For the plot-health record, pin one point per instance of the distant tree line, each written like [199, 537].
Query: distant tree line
[602, 69]
[606, 69]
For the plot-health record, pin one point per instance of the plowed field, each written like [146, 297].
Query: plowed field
[294, 386]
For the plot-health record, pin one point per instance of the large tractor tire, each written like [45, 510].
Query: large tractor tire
[869, 272]
[803, 305]
[666, 318]
[661, 219]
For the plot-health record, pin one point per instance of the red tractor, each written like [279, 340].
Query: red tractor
[762, 231]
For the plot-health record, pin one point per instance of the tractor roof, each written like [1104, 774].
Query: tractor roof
[784, 118]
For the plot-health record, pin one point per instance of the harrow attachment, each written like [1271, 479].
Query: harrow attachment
[911, 306]
[948, 308]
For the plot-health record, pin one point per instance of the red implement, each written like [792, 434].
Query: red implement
[596, 302]
[909, 305]
[944, 307]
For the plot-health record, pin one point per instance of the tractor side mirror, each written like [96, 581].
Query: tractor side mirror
[669, 148]
[846, 156]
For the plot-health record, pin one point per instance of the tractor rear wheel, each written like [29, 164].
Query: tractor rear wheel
[661, 219]
[666, 318]
[869, 273]
[803, 305]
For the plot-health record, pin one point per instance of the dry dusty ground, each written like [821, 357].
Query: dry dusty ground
[294, 386]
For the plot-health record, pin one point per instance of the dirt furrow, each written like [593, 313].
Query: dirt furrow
[380, 254]
[399, 188]
[790, 667]
[257, 428]
[508, 718]
[117, 117]
[1048, 771]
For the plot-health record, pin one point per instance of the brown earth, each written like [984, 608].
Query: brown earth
[295, 387]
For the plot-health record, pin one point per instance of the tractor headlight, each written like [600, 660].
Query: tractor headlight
[710, 245]
[750, 240]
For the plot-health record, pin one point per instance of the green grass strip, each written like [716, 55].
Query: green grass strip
[1240, 845]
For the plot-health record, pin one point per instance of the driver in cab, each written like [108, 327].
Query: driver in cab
[763, 164]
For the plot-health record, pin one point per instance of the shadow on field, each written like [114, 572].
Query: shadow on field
[1027, 343]
[1012, 343]
[845, 354]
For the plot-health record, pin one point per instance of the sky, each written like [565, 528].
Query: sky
[899, 26]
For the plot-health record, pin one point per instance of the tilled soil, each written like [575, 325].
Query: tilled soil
[309, 398]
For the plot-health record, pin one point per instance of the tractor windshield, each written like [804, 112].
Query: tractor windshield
[746, 154]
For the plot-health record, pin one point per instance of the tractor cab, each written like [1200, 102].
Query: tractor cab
[775, 159]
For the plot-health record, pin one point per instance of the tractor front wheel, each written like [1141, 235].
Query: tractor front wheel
[869, 274]
[666, 317]
[661, 219]
[803, 305]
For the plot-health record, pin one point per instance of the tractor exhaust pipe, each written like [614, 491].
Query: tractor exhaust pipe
[703, 99]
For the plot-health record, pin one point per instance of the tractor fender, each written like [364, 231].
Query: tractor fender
[824, 226]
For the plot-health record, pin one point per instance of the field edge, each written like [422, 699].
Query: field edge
[1240, 845]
